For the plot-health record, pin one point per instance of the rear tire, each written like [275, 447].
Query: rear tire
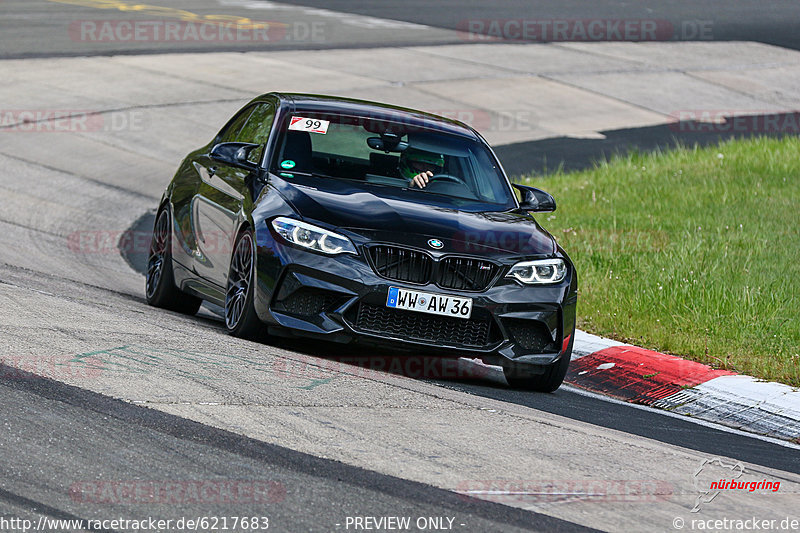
[241, 319]
[525, 377]
[160, 289]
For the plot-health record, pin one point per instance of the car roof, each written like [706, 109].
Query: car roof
[351, 106]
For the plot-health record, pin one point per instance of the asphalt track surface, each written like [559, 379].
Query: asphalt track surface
[570, 154]
[46, 28]
[85, 436]
[56, 434]
[772, 22]
[50, 28]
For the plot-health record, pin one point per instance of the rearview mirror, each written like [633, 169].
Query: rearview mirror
[535, 200]
[234, 154]
[387, 142]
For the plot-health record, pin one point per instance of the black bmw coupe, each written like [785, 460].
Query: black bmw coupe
[353, 221]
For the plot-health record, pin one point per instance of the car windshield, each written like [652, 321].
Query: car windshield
[386, 154]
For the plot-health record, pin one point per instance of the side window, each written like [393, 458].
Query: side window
[256, 130]
[230, 133]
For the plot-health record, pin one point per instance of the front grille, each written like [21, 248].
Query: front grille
[459, 273]
[423, 327]
[401, 264]
[308, 302]
[464, 273]
[531, 335]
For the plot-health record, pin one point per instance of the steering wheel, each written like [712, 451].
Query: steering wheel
[447, 177]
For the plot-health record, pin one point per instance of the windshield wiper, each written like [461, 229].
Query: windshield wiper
[284, 172]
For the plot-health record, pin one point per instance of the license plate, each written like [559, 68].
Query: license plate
[424, 302]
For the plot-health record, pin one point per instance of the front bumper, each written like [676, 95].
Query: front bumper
[340, 298]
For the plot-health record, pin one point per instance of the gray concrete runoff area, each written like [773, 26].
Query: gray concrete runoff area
[73, 310]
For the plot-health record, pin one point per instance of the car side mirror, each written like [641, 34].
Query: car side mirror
[535, 200]
[234, 154]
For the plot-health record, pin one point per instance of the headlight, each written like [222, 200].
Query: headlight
[313, 237]
[539, 272]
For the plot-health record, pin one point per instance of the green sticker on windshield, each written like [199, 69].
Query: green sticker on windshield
[287, 164]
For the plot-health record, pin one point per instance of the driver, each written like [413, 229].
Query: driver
[418, 166]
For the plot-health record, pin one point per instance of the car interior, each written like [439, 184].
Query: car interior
[378, 168]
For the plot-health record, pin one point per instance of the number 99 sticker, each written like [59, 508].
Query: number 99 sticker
[312, 125]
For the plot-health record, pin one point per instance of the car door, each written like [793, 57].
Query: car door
[225, 194]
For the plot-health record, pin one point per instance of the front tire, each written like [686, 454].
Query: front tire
[160, 289]
[240, 314]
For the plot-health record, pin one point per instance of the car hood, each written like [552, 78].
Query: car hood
[383, 214]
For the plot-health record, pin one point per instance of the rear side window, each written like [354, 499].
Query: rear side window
[230, 132]
[256, 130]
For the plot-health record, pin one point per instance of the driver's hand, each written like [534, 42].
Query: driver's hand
[421, 179]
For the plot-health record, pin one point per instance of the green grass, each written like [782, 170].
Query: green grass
[694, 252]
